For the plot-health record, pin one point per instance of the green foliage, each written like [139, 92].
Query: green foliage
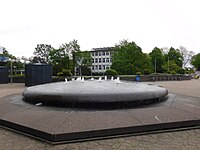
[196, 61]
[59, 59]
[85, 70]
[176, 56]
[157, 59]
[64, 73]
[62, 58]
[181, 71]
[8, 55]
[16, 62]
[83, 58]
[111, 72]
[147, 71]
[189, 70]
[138, 73]
[171, 66]
[83, 62]
[172, 72]
[71, 49]
[128, 58]
[42, 52]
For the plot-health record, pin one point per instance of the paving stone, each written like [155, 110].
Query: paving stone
[180, 140]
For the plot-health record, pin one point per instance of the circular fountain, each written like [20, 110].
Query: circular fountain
[95, 93]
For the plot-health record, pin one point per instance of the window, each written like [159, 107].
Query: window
[110, 59]
[103, 67]
[99, 60]
[99, 67]
[92, 67]
[107, 59]
[103, 53]
[92, 53]
[92, 60]
[107, 53]
[96, 60]
[96, 67]
[99, 53]
[104, 60]
[96, 54]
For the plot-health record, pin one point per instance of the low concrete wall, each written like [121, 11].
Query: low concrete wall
[144, 78]
[19, 79]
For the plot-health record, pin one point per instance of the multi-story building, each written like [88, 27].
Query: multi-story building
[101, 59]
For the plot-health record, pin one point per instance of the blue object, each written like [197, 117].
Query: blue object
[137, 78]
[3, 59]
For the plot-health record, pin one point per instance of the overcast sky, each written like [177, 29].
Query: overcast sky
[99, 23]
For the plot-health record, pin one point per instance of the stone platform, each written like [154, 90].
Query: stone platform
[58, 125]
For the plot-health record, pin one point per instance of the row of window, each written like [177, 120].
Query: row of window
[100, 67]
[103, 53]
[101, 60]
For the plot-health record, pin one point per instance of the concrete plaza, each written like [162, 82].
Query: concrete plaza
[187, 139]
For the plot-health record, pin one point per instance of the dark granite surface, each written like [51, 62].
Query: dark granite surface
[58, 124]
[91, 92]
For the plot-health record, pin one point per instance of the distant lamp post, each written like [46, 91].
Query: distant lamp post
[79, 62]
[168, 64]
[155, 65]
[11, 71]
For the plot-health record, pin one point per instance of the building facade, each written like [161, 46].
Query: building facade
[101, 59]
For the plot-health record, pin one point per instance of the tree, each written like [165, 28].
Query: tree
[60, 60]
[111, 72]
[24, 59]
[128, 58]
[171, 65]
[196, 61]
[36, 59]
[7, 56]
[83, 62]
[186, 55]
[71, 49]
[42, 53]
[157, 59]
[176, 56]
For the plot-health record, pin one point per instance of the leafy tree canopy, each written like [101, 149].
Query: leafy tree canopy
[171, 65]
[176, 56]
[42, 52]
[196, 61]
[157, 59]
[128, 58]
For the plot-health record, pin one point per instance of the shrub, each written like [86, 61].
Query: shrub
[64, 72]
[111, 72]
[138, 73]
[181, 71]
[172, 72]
[147, 71]
[86, 71]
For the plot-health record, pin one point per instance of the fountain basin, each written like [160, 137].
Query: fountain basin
[95, 93]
